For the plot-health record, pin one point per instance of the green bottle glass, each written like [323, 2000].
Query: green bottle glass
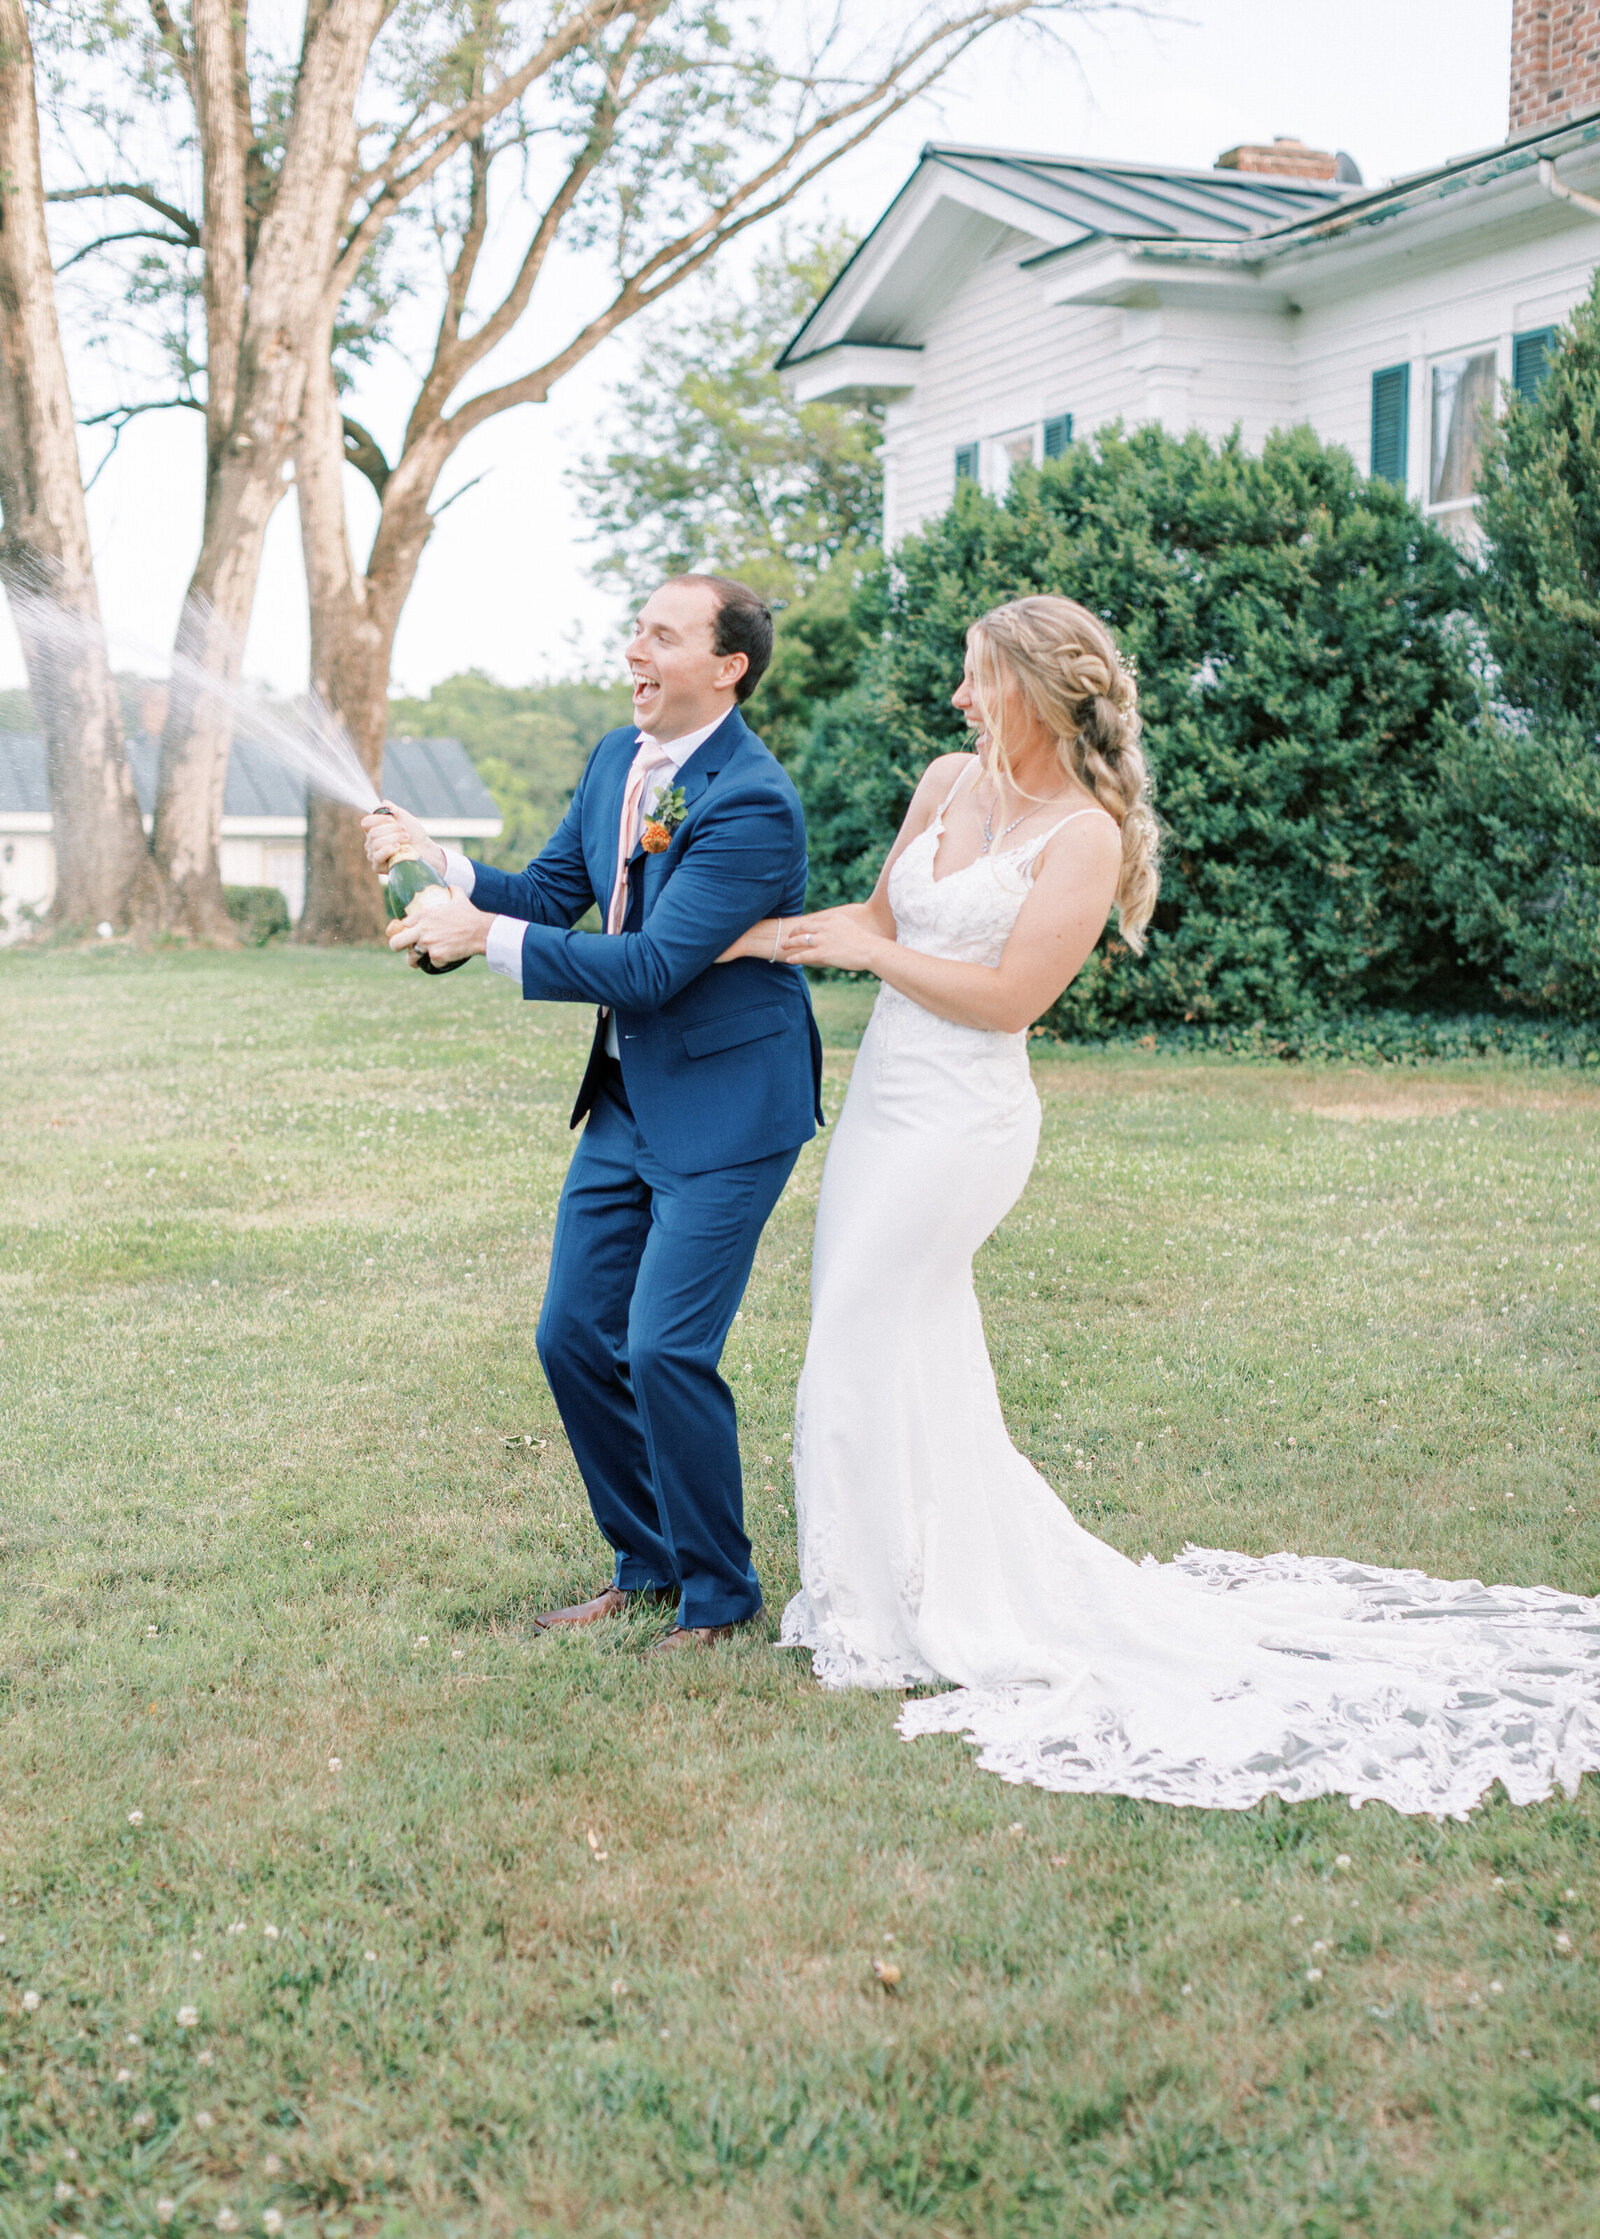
[408, 876]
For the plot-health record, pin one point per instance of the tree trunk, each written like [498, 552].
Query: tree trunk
[266, 334]
[353, 622]
[103, 868]
[198, 734]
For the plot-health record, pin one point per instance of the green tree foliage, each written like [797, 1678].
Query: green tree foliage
[712, 466]
[1513, 836]
[529, 743]
[1294, 629]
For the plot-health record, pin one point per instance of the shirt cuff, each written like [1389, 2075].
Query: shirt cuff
[458, 871]
[502, 950]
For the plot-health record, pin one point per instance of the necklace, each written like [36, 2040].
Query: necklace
[990, 836]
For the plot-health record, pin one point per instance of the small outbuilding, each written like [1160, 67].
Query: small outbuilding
[263, 839]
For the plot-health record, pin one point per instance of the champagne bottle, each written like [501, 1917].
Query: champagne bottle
[410, 880]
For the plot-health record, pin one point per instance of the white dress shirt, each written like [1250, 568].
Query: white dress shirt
[503, 949]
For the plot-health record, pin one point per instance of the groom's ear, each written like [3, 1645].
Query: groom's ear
[735, 667]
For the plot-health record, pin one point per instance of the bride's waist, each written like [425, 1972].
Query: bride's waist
[902, 1016]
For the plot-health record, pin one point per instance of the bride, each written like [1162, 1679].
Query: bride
[930, 1549]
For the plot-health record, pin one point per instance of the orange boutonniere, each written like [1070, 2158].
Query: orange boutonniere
[668, 813]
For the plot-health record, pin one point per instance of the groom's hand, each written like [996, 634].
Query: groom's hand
[444, 931]
[389, 829]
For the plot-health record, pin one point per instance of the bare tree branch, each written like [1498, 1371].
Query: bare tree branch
[172, 40]
[697, 245]
[135, 193]
[365, 454]
[397, 178]
[106, 240]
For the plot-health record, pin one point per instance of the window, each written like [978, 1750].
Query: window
[1530, 359]
[1391, 399]
[966, 462]
[1463, 392]
[1057, 435]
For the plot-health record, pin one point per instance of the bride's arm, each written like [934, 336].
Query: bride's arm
[874, 914]
[1055, 933]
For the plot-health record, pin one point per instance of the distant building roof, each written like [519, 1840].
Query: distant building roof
[24, 785]
[433, 778]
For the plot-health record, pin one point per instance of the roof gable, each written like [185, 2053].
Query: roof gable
[961, 201]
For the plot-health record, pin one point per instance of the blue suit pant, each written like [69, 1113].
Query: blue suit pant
[646, 1272]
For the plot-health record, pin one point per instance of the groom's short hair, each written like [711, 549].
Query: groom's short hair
[743, 625]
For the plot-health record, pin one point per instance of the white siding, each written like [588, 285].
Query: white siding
[998, 360]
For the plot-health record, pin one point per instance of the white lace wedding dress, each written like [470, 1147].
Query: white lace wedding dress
[931, 1550]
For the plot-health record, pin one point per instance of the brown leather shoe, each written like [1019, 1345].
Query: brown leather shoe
[611, 1601]
[700, 1636]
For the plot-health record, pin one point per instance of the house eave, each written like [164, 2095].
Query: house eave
[853, 372]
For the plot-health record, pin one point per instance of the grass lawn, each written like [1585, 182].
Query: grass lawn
[334, 1900]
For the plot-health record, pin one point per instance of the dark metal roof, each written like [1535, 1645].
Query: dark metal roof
[1120, 201]
[1140, 201]
[431, 777]
[434, 777]
[24, 785]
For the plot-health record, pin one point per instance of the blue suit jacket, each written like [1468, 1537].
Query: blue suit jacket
[722, 1062]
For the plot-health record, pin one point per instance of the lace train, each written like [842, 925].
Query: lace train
[930, 1549]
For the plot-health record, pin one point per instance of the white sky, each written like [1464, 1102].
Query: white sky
[1401, 84]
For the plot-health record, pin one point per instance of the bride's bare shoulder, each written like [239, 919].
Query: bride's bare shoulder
[937, 778]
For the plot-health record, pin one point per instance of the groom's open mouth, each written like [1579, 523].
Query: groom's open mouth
[646, 692]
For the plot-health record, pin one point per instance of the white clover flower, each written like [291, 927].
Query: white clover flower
[202, 2120]
[1593, 2102]
[30, 2001]
[166, 2210]
[206, 2058]
[136, 1819]
[1343, 1858]
[456, 1655]
[1495, 1989]
[188, 2016]
[132, 2038]
[227, 2220]
[1563, 1942]
[271, 2223]
[270, 1932]
[1313, 1974]
[369, 1956]
[272, 2165]
[64, 2192]
[422, 1640]
[1187, 1990]
[335, 1764]
[152, 1632]
[124, 2075]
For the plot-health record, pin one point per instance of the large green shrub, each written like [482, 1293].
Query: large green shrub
[1512, 835]
[1300, 666]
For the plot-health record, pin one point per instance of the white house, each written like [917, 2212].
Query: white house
[1006, 303]
[263, 838]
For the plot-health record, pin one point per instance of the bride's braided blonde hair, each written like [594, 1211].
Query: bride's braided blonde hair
[1066, 665]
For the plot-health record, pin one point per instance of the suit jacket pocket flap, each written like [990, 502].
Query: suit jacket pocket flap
[715, 1034]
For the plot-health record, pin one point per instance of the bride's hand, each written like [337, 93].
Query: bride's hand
[837, 939]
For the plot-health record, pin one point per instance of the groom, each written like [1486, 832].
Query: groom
[702, 1084]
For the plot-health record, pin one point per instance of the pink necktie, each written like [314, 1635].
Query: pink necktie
[648, 761]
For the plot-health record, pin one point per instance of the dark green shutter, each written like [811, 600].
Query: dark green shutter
[1391, 397]
[1530, 359]
[1057, 435]
[966, 462]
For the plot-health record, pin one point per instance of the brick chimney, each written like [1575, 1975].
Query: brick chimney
[1555, 62]
[1285, 158]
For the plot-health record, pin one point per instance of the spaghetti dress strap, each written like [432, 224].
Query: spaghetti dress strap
[1030, 848]
[961, 778]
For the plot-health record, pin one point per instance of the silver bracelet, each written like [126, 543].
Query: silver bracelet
[777, 943]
